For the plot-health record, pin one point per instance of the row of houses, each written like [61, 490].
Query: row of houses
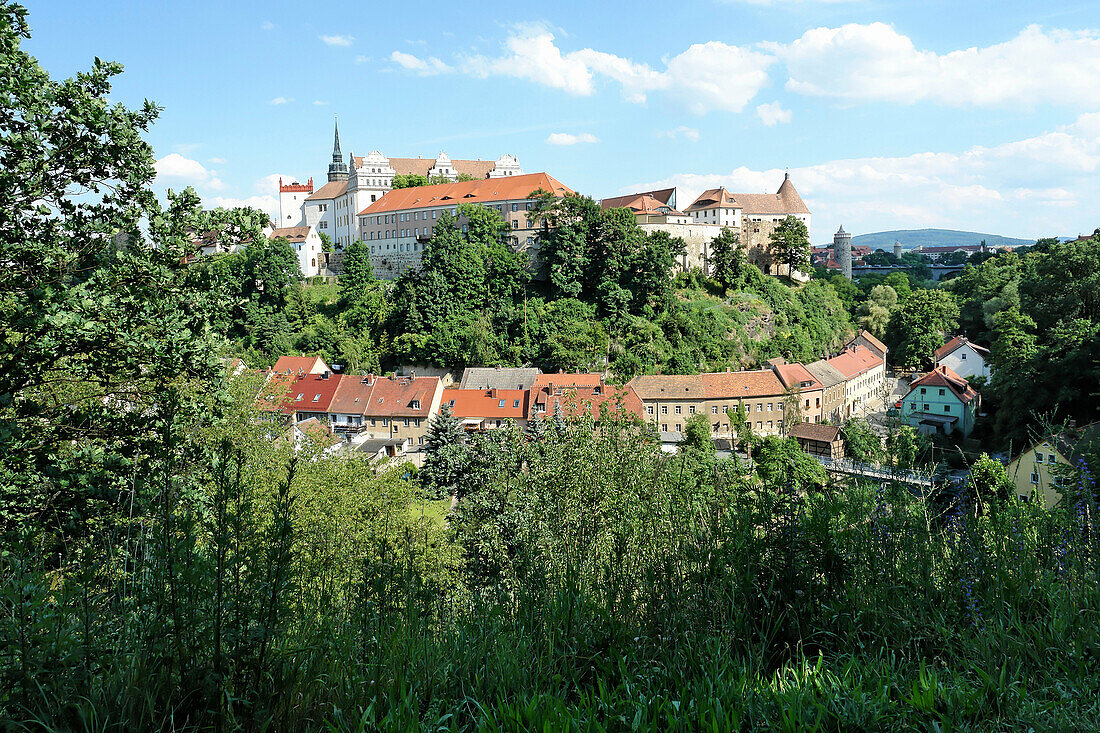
[397, 409]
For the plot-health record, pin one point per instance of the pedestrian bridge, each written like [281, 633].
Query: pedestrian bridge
[848, 467]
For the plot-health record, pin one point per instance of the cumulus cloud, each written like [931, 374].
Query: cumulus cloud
[216, 161]
[338, 40]
[267, 25]
[565, 138]
[875, 62]
[424, 67]
[772, 113]
[706, 76]
[319, 102]
[180, 169]
[688, 133]
[281, 100]
[1026, 188]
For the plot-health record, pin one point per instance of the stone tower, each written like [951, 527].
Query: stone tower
[897, 249]
[292, 197]
[842, 248]
[337, 169]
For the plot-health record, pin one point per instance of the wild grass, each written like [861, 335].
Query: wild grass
[585, 582]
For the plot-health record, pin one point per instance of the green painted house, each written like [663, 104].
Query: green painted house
[941, 402]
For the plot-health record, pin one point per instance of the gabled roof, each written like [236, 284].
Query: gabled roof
[310, 393]
[826, 373]
[957, 343]
[291, 234]
[484, 191]
[711, 198]
[814, 431]
[402, 397]
[664, 196]
[668, 387]
[498, 377]
[1072, 442]
[500, 404]
[944, 376]
[735, 385]
[566, 379]
[866, 338]
[330, 190]
[855, 360]
[795, 375]
[642, 204]
[352, 396]
[303, 364]
[576, 401]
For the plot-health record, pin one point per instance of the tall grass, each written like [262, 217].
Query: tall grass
[585, 582]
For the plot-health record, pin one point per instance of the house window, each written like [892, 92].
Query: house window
[923, 390]
[406, 422]
[649, 409]
[679, 427]
[1052, 458]
[664, 409]
[679, 410]
[452, 403]
[515, 223]
[714, 410]
[759, 406]
[947, 408]
[1034, 478]
[385, 422]
[769, 424]
[759, 425]
[941, 393]
[664, 427]
[691, 409]
[300, 396]
[1038, 457]
[501, 404]
[926, 408]
[962, 356]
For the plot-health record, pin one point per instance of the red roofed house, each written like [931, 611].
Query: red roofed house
[941, 401]
[310, 395]
[579, 394]
[485, 409]
[398, 226]
[864, 371]
[964, 358]
[798, 378]
[298, 365]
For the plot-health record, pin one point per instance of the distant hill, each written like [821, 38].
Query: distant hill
[910, 238]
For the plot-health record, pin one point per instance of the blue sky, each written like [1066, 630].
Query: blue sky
[972, 115]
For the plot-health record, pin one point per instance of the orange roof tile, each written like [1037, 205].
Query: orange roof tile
[310, 393]
[955, 343]
[577, 401]
[854, 361]
[945, 376]
[486, 403]
[304, 364]
[291, 234]
[733, 385]
[568, 379]
[668, 387]
[485, 191]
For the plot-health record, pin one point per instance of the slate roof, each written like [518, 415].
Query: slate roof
[498, 378]
[826, 373]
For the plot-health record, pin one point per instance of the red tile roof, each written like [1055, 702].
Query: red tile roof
[668, 387]
[486, 403]
[291, 234]
[792, 375]
[576, 401]
[310, 393]
[784, 201]
[955, 343]
[733, 385]
[485, 191]
[421, 166]
[944, 376]
[294, 364]
[854, 361]
[374, 396]
[642, 204]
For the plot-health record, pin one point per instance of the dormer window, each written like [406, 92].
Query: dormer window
[515, 403]
[452, 403]
[501, 404]
[317, 397]
[416, 404]
[299, 397]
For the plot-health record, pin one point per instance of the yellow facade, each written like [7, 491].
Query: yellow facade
[1032, 472]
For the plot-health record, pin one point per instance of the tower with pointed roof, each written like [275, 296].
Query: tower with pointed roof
[337, 169]
[842, 248]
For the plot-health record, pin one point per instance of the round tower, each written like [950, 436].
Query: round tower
[897, 249]
[842, 248]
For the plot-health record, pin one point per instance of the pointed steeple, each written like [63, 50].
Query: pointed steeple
[337, 169]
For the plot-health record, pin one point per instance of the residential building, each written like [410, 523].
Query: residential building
[291, 365]
[833, 389]
[579, 394]
[499, 377]
[1037, 472]
[398, 226]
[362, 180]
[941, 401]
[397, 409]
[308, 396]
[810, 390]
[964, 358]
[864, 371]
[755, 215]
[670, 400]
[867, 339]
[821, 441]
[306, 244]
[487, 409]
[654, 213]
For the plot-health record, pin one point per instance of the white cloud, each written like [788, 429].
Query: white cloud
[344, 40]
[360, 59]
[706, 76]
[1033, 187]
[688, 133]
[772, 113]
[180, 169]
[216, 161]
[269, 204]
[270, 183]
[565, 138]
[281, 100]
[267, 25]
[425, 67]
[875, 62]
[319, 102]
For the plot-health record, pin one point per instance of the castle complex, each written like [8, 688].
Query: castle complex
[363, 180]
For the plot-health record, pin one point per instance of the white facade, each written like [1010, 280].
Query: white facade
[292, 198]
[966, 361]
[723, 216]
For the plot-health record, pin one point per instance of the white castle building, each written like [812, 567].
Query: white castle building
[355, 185]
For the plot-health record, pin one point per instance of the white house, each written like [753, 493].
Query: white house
[964, 358]
[306, 244]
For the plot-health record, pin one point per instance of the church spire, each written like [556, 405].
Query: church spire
[337, 169]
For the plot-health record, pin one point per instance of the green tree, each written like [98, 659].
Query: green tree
[326, 242]
[792, 407]
[727, 258]
[880, 303]
[919, 328]
[989, 481]
[861, 442]
[446, 456]
[790, 244]
[697, 435]
[782, 465]
[360, 293]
